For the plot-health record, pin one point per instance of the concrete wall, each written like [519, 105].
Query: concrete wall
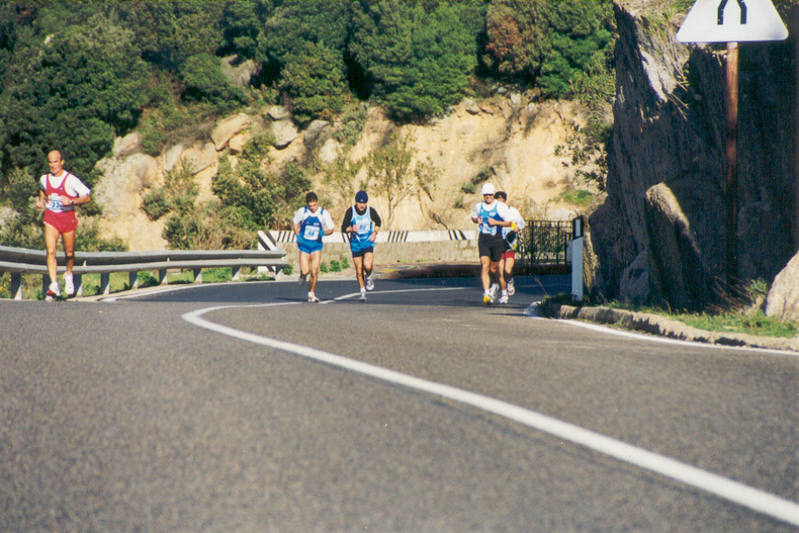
[391, 247]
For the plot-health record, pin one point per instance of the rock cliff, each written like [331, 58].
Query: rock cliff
[506, 139]
[660, 235]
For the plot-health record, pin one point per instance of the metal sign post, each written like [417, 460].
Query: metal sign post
[731, 161]
[578, 231]
[715, 21]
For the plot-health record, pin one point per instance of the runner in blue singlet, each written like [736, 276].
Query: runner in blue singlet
[310, 224]
[361, 224]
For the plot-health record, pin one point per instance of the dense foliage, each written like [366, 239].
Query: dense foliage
[77, 74]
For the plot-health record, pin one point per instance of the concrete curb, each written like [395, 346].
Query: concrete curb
[665, 327]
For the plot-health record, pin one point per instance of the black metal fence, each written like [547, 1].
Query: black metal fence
[543, 247]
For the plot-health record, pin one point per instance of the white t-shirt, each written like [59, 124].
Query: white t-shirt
[310, 222]
[517, 218]
[73, 186]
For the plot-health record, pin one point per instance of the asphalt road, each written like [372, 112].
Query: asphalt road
[241, 408]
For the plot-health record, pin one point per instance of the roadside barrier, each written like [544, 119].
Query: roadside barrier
[20, 261]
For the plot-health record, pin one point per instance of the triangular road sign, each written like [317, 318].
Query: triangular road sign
[724, 21]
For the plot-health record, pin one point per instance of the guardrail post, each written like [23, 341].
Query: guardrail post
[198, 275]
[78, 280]
[133, 279]
[235, 273]
[162, 277]
[16, 285]
[105, 283]
[45, 284]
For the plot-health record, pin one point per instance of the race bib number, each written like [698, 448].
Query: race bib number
[55, 203]
[311, 233]
[363, 228]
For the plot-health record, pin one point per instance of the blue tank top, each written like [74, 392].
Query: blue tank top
[487, 212]
[359, 239]
[311, 225]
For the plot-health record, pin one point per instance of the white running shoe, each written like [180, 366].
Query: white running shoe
[302, 278]
[494, 290]
[370, 283]
[53, 291]
[504, 298]
[312, 298]
[69, 285]
[511, 288]
[363, 295]
[487, 298]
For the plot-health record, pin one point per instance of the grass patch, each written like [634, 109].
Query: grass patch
[743, 320]
[752, 324]
[120, 281]
[578, 197]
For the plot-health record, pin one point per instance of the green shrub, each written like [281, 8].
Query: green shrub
[469, 187]
[146, 279]
[153, 141]
[323, 268]
[155, 204]
[335, 266]
[579, 197]
[352, 125]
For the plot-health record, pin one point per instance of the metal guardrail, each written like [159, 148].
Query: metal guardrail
[20, 261]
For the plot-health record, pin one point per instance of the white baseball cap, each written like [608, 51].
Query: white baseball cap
[488, 189]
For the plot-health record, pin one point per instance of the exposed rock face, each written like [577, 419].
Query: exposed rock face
[119, 193]
[783, 298]
[237, 73]
[285, 132]
[669, 134]
[676, 264]
[228, 128]
[123, 179]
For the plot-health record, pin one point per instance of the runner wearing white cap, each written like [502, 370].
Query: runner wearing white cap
[491, 216]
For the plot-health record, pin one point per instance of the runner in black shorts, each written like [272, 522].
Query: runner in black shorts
[491, 216]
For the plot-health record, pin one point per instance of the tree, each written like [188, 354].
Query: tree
[314, 81]
[342, 174]
[514, 31]
[202, 75]
[240, 25]
[74, 91]
[392, 175]
[303, 44]
[298, 22]
[258, 198]
[549, 43]
[579, 38]
[417, 56]
[169, 32]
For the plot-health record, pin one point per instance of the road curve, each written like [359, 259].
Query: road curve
[126, 415]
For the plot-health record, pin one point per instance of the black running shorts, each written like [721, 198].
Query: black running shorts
[491, 246]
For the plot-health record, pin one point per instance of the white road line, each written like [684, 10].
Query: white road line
[666, 340]
[744, 495]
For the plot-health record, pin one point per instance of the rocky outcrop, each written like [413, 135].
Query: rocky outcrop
[513, 145]
[782, 300]
[669, 135]
[123, 179]
[229, 128]
[675, 261]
